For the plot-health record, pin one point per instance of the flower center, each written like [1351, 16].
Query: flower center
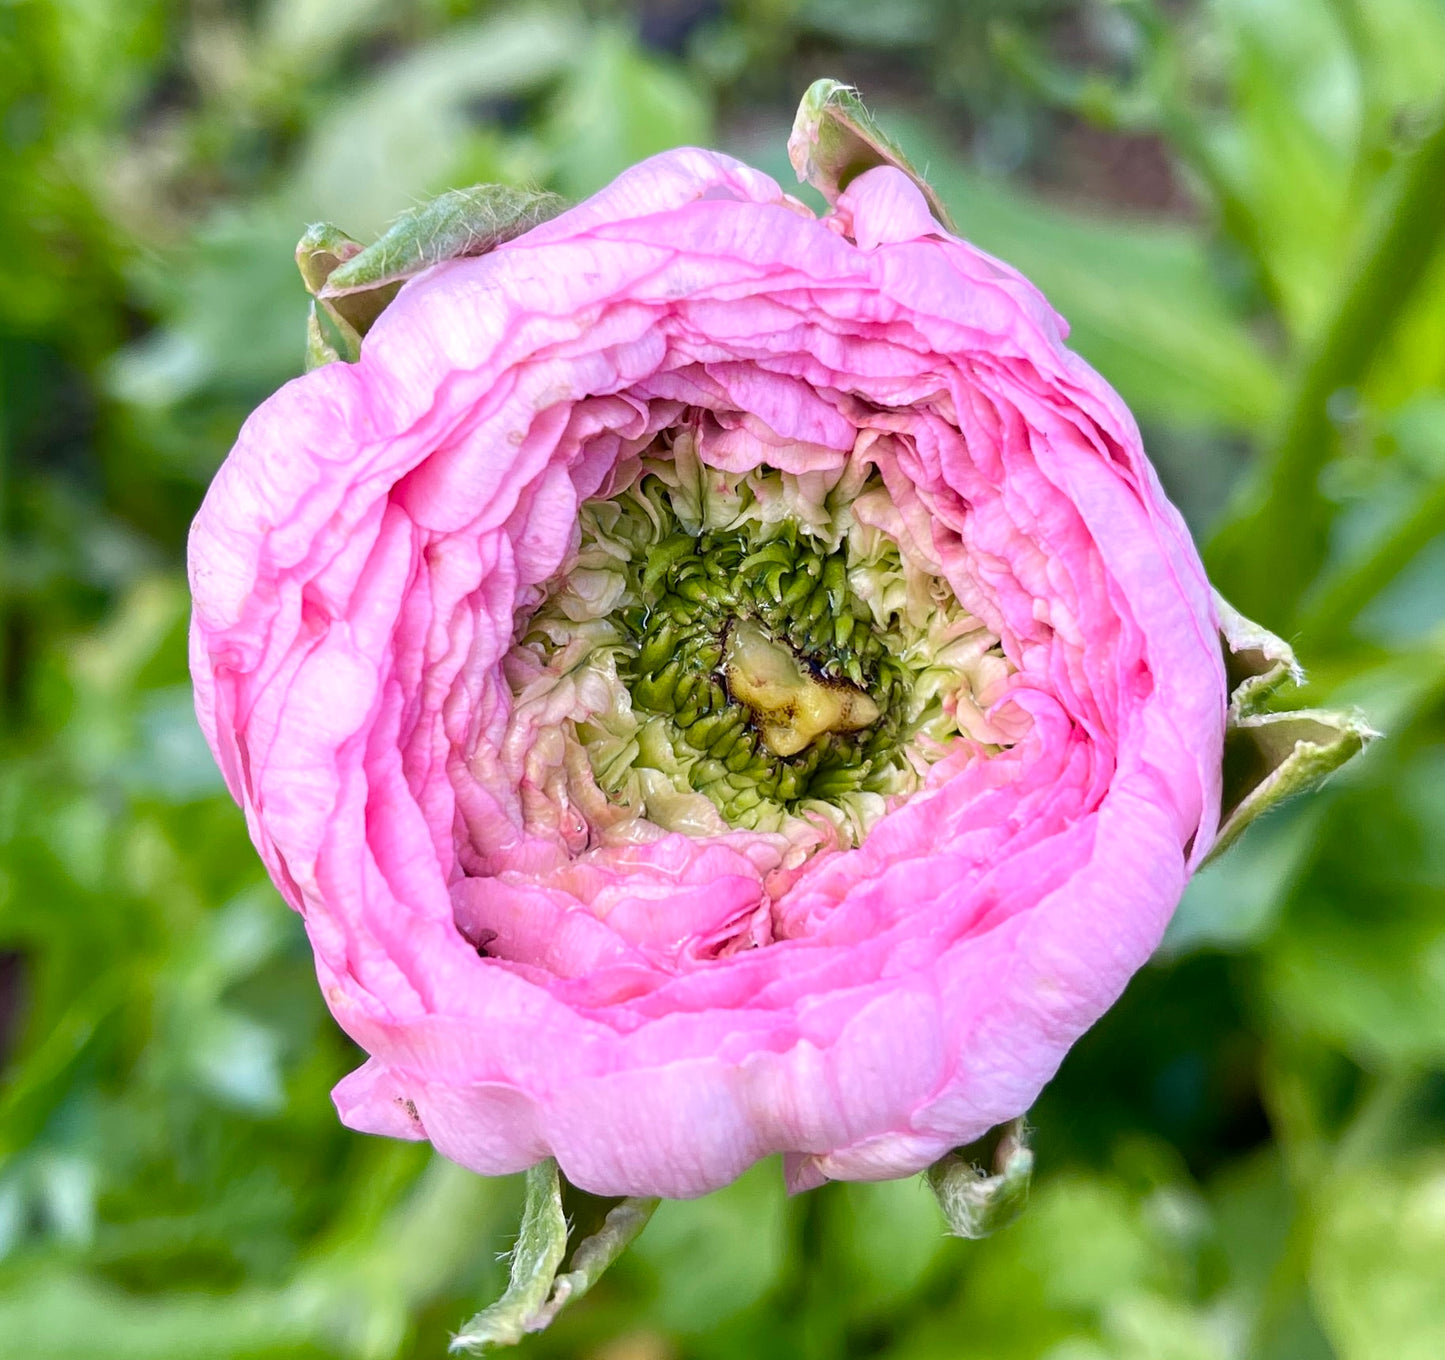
[743, 650]
[790, 705]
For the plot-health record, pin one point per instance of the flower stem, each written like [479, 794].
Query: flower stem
[1273, 545]
[1342, 595]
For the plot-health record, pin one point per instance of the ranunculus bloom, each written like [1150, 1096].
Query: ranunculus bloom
[715, 682]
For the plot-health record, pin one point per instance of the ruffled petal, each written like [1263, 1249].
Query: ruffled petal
[661, 1014]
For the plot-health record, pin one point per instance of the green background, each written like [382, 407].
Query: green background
[1235, 205]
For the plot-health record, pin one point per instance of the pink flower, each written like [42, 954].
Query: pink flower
[424, 586]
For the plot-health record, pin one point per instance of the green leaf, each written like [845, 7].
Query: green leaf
[740, 1231]
[1287, 153]
[618, 105]
[300, 37]
[228, 300]
[537, 1292]
[1235, 901]
[1358, 965]
[1357, 959]
[975, 1202]
[835, 139]
[1093, 1270]
[1376, 1263]
[884, 1236]
[63, 1315]
[403, 1244]
[405, 131]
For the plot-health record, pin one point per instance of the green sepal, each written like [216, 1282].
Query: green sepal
[352, 284]
[1256, 662]
[329, 338]
[835, 139]
[1272, 753]
[320, 251]
[334, 326]
[1269, 757]
[975, 1201]
[460, 222]
[537, 1292]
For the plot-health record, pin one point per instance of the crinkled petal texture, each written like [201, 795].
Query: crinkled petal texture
[366, 552]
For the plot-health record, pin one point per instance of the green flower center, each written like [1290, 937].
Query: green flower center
[747, 651]
[734, 637]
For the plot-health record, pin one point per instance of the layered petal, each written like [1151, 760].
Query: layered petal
[660, 1010]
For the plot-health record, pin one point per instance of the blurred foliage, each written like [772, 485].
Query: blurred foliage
[1237, 205]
